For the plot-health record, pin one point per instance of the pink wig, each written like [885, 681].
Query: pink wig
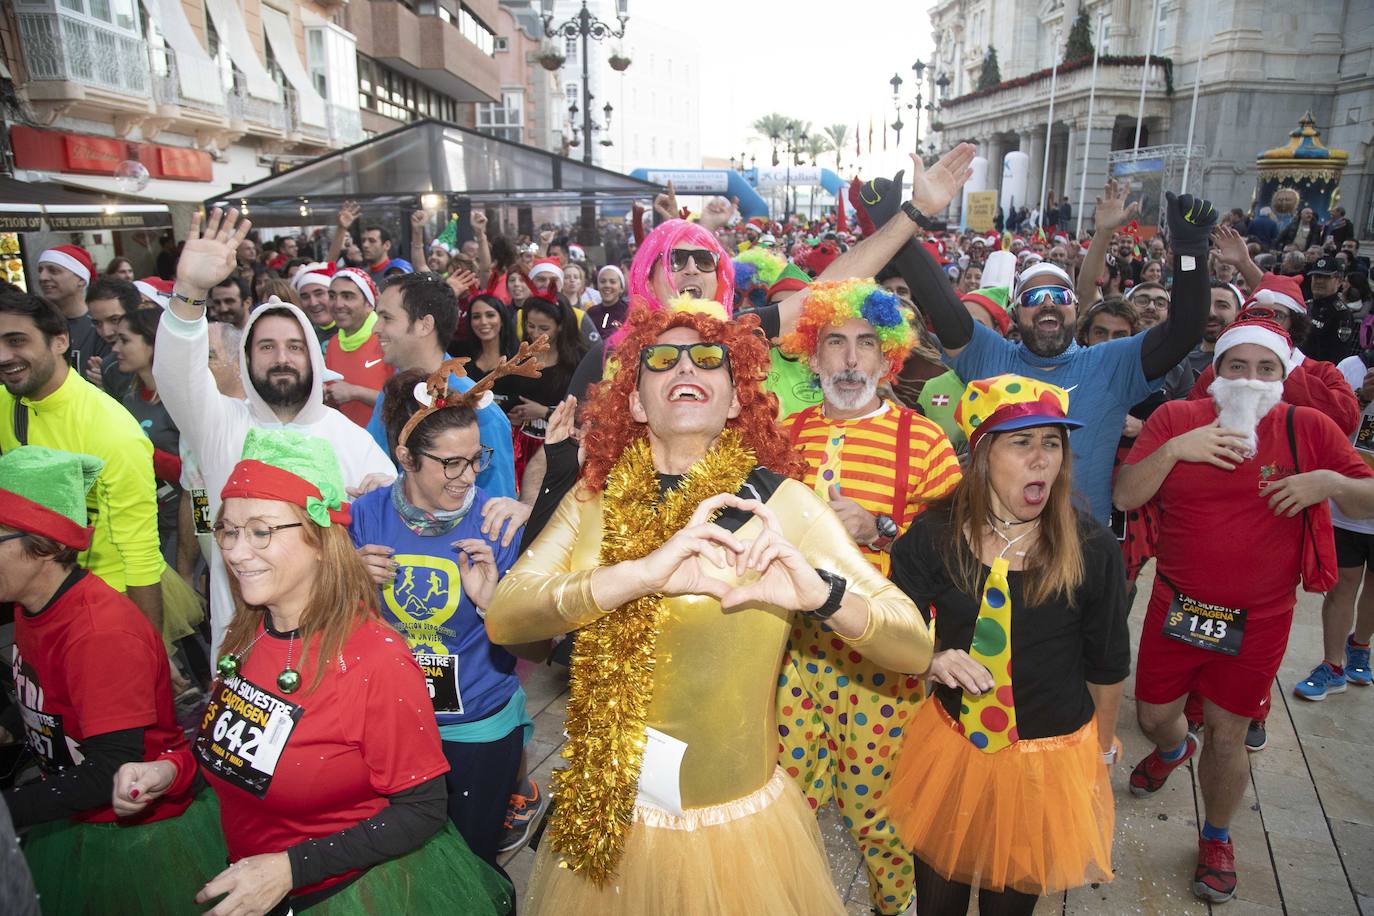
[656, 249]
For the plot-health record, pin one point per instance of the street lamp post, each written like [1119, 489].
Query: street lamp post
[587, 27]
[920, 104]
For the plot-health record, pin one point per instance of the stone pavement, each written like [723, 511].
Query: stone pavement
[1304, 837]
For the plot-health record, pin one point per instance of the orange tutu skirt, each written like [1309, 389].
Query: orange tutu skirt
[1036, 816]
[760, 855]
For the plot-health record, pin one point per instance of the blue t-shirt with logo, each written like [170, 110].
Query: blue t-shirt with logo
[1103, 382]
[427, 605]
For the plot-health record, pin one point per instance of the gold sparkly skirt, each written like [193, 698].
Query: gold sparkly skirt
[760, 855]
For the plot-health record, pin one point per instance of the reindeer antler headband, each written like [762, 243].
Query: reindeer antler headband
[434, 393]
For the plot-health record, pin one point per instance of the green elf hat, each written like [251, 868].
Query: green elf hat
[448, 239]
[993, 299]
[293, 468]
[43, 492]
[792, 279]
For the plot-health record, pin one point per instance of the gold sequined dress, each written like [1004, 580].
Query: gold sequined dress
[746, 841]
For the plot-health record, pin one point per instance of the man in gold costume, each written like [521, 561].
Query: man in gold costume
[681, 559]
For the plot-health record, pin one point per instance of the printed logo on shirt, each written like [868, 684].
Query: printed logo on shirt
[370, 363]
[1273, 473]
[423, 596]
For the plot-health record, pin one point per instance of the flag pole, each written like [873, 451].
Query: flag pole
[1197, 84]
[1145, 73]
[1088, 136]
[1049, 131]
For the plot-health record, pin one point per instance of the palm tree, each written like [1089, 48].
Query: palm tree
[772, 127]
[816, 144]
[837, 134]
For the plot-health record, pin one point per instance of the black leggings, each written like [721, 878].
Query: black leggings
[937, 896]
[480, 780]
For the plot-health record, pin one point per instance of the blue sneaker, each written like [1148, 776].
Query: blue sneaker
[1320, 682]
[1357, 669]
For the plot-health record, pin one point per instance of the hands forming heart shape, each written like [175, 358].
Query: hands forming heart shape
[767, 570]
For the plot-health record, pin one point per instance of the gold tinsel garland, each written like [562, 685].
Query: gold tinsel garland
[613, 658]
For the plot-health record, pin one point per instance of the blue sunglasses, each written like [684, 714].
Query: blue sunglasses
[1045, 295]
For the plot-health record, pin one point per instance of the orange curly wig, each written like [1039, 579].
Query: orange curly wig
[608, 427]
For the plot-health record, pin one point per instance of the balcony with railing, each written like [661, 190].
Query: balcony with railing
[345, 125]
[303, 130]
[252, 111]
[60, 48]
[168, 91]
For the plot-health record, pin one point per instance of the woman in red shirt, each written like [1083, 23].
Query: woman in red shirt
[94, 692]
[320, 740]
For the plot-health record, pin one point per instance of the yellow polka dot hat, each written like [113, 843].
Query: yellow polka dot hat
[1007, 402]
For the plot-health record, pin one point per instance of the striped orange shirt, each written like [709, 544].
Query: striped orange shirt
[870, 461]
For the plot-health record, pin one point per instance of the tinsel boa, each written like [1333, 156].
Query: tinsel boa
[613, 658]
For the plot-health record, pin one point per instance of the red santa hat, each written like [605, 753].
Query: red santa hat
[1275, 289]
[156, 289]
[319, 273]
[361, 280]
[73, 258]
[1255, 330]
[996, 310]
[547, 267]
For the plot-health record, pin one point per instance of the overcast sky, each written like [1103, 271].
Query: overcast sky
[825, 63]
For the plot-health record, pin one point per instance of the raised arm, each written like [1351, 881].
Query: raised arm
[348, 213]
[1231, 249]
[479, 233]
[1190, 221]
[931, 192]
[418, 255]
[1110, 214]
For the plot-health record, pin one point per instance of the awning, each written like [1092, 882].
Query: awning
[198, 76]
[25, 205]
[177, 192]
[229, 24]
[278, 30]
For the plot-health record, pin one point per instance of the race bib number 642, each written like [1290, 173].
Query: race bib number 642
[243, 733]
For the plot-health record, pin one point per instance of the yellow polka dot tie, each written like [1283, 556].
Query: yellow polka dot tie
[988, 720]
[829, 474]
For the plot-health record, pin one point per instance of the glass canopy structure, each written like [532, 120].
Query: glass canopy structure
[446, 170]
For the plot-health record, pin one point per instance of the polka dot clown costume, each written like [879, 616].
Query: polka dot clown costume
[840, 716]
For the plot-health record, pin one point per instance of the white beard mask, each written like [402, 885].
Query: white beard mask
[844, 399]
[1242, 403]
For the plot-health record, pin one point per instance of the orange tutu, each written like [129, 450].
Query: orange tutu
[760, 855]
[1036, 817]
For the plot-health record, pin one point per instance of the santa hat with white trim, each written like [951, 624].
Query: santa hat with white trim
[360, 279]
[156, 289]
[319, 273]
[73, 258]
[1251, 329]
[547, 267]
[1276, 289]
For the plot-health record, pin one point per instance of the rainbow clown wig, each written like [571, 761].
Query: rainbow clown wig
[830, 303]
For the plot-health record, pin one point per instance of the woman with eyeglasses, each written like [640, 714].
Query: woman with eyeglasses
[319, 739]
[421, 539]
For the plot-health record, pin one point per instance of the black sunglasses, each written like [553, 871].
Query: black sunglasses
[704, 259]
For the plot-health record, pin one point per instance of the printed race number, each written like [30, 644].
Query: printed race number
[441, 676]
[1213, 627]
[243, 733]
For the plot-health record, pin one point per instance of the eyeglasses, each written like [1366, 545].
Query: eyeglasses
[1158, 303]
[1045, 295]
[707, 356]
[259, 533]
[705, 260]
[11, 537]
[456, 467]
[1278, 316]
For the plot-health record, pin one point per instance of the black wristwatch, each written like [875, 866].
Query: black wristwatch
[837, 584]
[915, 215]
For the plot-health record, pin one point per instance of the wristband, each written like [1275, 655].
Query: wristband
[915, 215]
[196, 303]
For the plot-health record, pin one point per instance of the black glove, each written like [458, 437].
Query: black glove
[1190, 220]
[882, 198]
